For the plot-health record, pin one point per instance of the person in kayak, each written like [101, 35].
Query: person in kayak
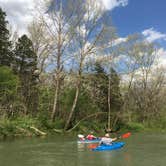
[91, 136]
[81, 137]
[107, 140]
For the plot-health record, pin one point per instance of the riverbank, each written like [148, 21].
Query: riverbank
[26, 127]
[30, 127]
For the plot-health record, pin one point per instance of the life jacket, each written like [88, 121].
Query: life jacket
[90, 137]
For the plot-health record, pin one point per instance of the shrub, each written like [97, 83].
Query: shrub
[135, 126]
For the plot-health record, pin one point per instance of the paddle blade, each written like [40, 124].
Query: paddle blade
[80, 136]
[93, 146]
[126, 135]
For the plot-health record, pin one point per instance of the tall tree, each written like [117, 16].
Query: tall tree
[5, 53]
[42, 42]
[115, 95]
[63, 20]
[25, 66]
[98, 84]
[91, 35]
[143, 86]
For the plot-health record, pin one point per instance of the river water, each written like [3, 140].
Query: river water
[141, 149]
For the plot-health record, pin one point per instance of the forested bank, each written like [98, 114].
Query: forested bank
[74, 74]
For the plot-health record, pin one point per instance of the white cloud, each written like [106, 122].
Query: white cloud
[119, 41]
[111, 4]
[161, 53]
[153, 35]
[19, 13]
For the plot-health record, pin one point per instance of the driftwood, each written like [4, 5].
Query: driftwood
[38, 131]
[58, 130]
[87, 117]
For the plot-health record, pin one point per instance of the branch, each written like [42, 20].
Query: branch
[87, 117]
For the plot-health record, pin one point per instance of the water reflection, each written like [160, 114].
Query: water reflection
[128, 159]
[81, 147]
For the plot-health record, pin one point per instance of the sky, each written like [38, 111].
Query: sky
[128, 16]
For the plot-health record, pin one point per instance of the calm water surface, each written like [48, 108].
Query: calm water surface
[140, 150]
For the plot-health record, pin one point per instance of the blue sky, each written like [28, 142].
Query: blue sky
[139, 15]
[129, 16]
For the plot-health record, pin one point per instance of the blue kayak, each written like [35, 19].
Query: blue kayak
[114, 146]
[89, 141]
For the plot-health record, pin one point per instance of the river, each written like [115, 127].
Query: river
[141, 149]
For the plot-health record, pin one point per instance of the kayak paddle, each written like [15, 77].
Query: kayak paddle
[126, 135]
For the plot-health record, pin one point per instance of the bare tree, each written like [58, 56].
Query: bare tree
[92, 36]
[60, 20]
[42, 43]
[143, 87]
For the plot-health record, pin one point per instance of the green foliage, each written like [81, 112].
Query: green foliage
[133, 126]
[8, 90]
[58, 124]
[5, 53]
[162, 123]
[25, 57]
[66, 99]
[115, 95]
[85, 105]
[46, 96]
[25, 66]
[8, 80]
[20, 97]
[17, 127]
[24, 122]
[43, 121]
[98, 82]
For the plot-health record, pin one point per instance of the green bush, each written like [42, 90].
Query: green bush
[7, 128]
[133, 126]
[46, 97]
[24, 122]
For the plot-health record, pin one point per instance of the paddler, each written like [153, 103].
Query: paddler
[90, 136]
[106, 140]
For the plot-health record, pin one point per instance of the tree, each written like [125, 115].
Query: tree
[146, 89]
[99, 86]
[25, 66]
[144, 83]
[8, 90]
[63, 20]
[5, 53]
[90, 37]
[42, 42]
[115, 95]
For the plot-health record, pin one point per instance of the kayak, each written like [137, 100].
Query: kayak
[114, 146]
[89, 141]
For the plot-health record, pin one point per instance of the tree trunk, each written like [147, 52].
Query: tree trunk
[59, 69]
[55, 101]
[73, 108]
[76, 94]
[109, 104]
